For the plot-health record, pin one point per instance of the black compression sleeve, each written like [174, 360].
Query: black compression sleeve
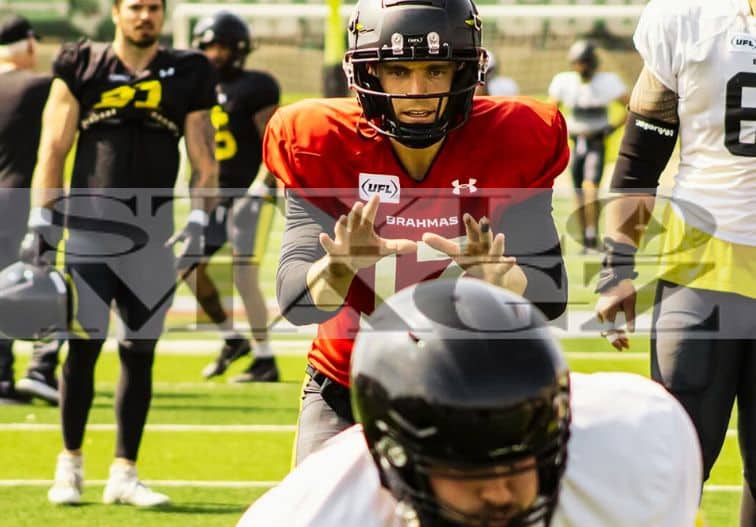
[300, 248]
[532, 238]
[645, 150]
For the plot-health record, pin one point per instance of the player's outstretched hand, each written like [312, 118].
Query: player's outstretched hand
[482, 256]
[355, 243]
[620, 298]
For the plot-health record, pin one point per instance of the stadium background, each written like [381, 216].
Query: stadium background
[215, 447]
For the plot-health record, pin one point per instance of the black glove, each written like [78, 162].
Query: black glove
[40, 244]
[618, 264]
[193, 251]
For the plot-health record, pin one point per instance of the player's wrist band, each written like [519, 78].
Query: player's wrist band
[198, 216]
[618, 264]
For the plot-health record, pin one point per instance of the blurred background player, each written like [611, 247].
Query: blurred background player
[468, 417]
[699, 79]
[587, 94]
[246, 100]
[405, 186]
[497, 85]
[22, 99]
[130, 101]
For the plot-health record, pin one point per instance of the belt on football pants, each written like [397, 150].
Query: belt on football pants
[334, 394]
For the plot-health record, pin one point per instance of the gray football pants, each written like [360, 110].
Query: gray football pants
[318, 421]
[703, 350]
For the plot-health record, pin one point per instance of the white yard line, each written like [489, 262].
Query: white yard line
[236, 484]
[110, 427]
[301, 347]
[155, 482]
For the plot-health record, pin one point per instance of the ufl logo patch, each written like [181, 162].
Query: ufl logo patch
[387, 187]
[743, 42]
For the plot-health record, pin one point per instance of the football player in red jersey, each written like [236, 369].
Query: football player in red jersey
[413, 181]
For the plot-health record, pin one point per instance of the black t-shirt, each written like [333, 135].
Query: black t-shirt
[238, 143]
[130, 125]
[22, 98]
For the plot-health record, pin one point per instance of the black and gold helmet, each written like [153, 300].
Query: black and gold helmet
[228, 29]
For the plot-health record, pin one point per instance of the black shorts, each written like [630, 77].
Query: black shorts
[141, 298]
[588, 160]
[246, 221]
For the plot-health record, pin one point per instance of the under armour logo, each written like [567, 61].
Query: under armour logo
[168, 72]
[469, 186]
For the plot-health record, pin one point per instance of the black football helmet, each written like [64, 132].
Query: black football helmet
[35, 301]
[461, 379]
[405, 30]
[584, 52]
[225, 28]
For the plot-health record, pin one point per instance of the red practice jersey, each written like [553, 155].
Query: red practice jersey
[509, 149]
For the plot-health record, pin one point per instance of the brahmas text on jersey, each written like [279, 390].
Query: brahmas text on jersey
[633, 459]
[508, 151]
[705, 51]
[238, 145]
[130, 124]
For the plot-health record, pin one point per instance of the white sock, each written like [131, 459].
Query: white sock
[263, 350]
[590, 232]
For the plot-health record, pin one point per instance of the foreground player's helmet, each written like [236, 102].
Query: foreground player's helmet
[34, 301]
[228, 29]
[406, 30]
[584, 52]
[461, 379]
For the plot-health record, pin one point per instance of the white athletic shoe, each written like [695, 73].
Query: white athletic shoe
[124, 487]
[69, 480]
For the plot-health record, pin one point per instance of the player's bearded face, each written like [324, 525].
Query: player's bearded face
[416, 78]
[495, 500]
[140, 21]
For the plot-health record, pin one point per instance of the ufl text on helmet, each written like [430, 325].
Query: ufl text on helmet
[35, 301]
[228, 29]
[455, 378]
[408, 30]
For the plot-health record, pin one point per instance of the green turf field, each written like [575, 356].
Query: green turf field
[219, 461]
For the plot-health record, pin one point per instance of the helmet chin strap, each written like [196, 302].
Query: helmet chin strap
[418, 136]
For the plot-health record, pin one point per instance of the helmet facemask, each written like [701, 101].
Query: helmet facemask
[378, 108]
[406, 470]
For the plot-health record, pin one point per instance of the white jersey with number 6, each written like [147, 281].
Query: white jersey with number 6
[705, 51]
[632, 460]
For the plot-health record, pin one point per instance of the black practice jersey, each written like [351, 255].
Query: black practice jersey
[130, 125]
[238, 146]
[22, 98]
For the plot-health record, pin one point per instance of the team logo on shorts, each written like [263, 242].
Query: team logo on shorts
[387, 187]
